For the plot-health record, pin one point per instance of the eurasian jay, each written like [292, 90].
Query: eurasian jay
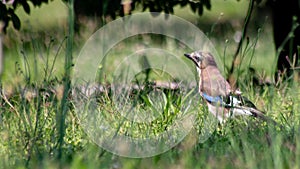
[221, 100]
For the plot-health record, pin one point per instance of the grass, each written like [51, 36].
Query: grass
[32, 134]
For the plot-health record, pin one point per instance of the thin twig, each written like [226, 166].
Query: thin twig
[9, 104]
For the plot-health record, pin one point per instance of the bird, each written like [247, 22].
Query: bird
[222, 101]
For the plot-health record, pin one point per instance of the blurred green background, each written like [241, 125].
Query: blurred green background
[222, 24]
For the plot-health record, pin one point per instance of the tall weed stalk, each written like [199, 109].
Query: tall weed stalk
[62, 113]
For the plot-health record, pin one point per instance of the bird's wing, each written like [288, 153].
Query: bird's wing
[213, 83]
[242, 105]
[213, 99]
[229, 101]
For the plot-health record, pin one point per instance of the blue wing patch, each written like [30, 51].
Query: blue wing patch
[213, 99]
[228, 101]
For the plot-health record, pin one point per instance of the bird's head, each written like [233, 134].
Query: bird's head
[201, 59]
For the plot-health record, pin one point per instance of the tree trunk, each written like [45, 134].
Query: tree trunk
[1, 48]
[283, 13]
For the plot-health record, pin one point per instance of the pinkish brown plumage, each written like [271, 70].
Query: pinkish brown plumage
[216, 91]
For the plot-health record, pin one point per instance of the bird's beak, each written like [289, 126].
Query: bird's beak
[192, 58]
[187, 55]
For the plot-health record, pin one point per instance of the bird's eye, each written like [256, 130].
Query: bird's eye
[198, 57]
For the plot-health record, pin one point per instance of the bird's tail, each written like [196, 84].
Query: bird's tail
[259, 114]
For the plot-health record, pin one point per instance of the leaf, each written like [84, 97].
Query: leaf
[3, 10]
[200, 9]
[207, 4]
[193, 7]
[183, 3]
[26, 7]
[16, 21]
